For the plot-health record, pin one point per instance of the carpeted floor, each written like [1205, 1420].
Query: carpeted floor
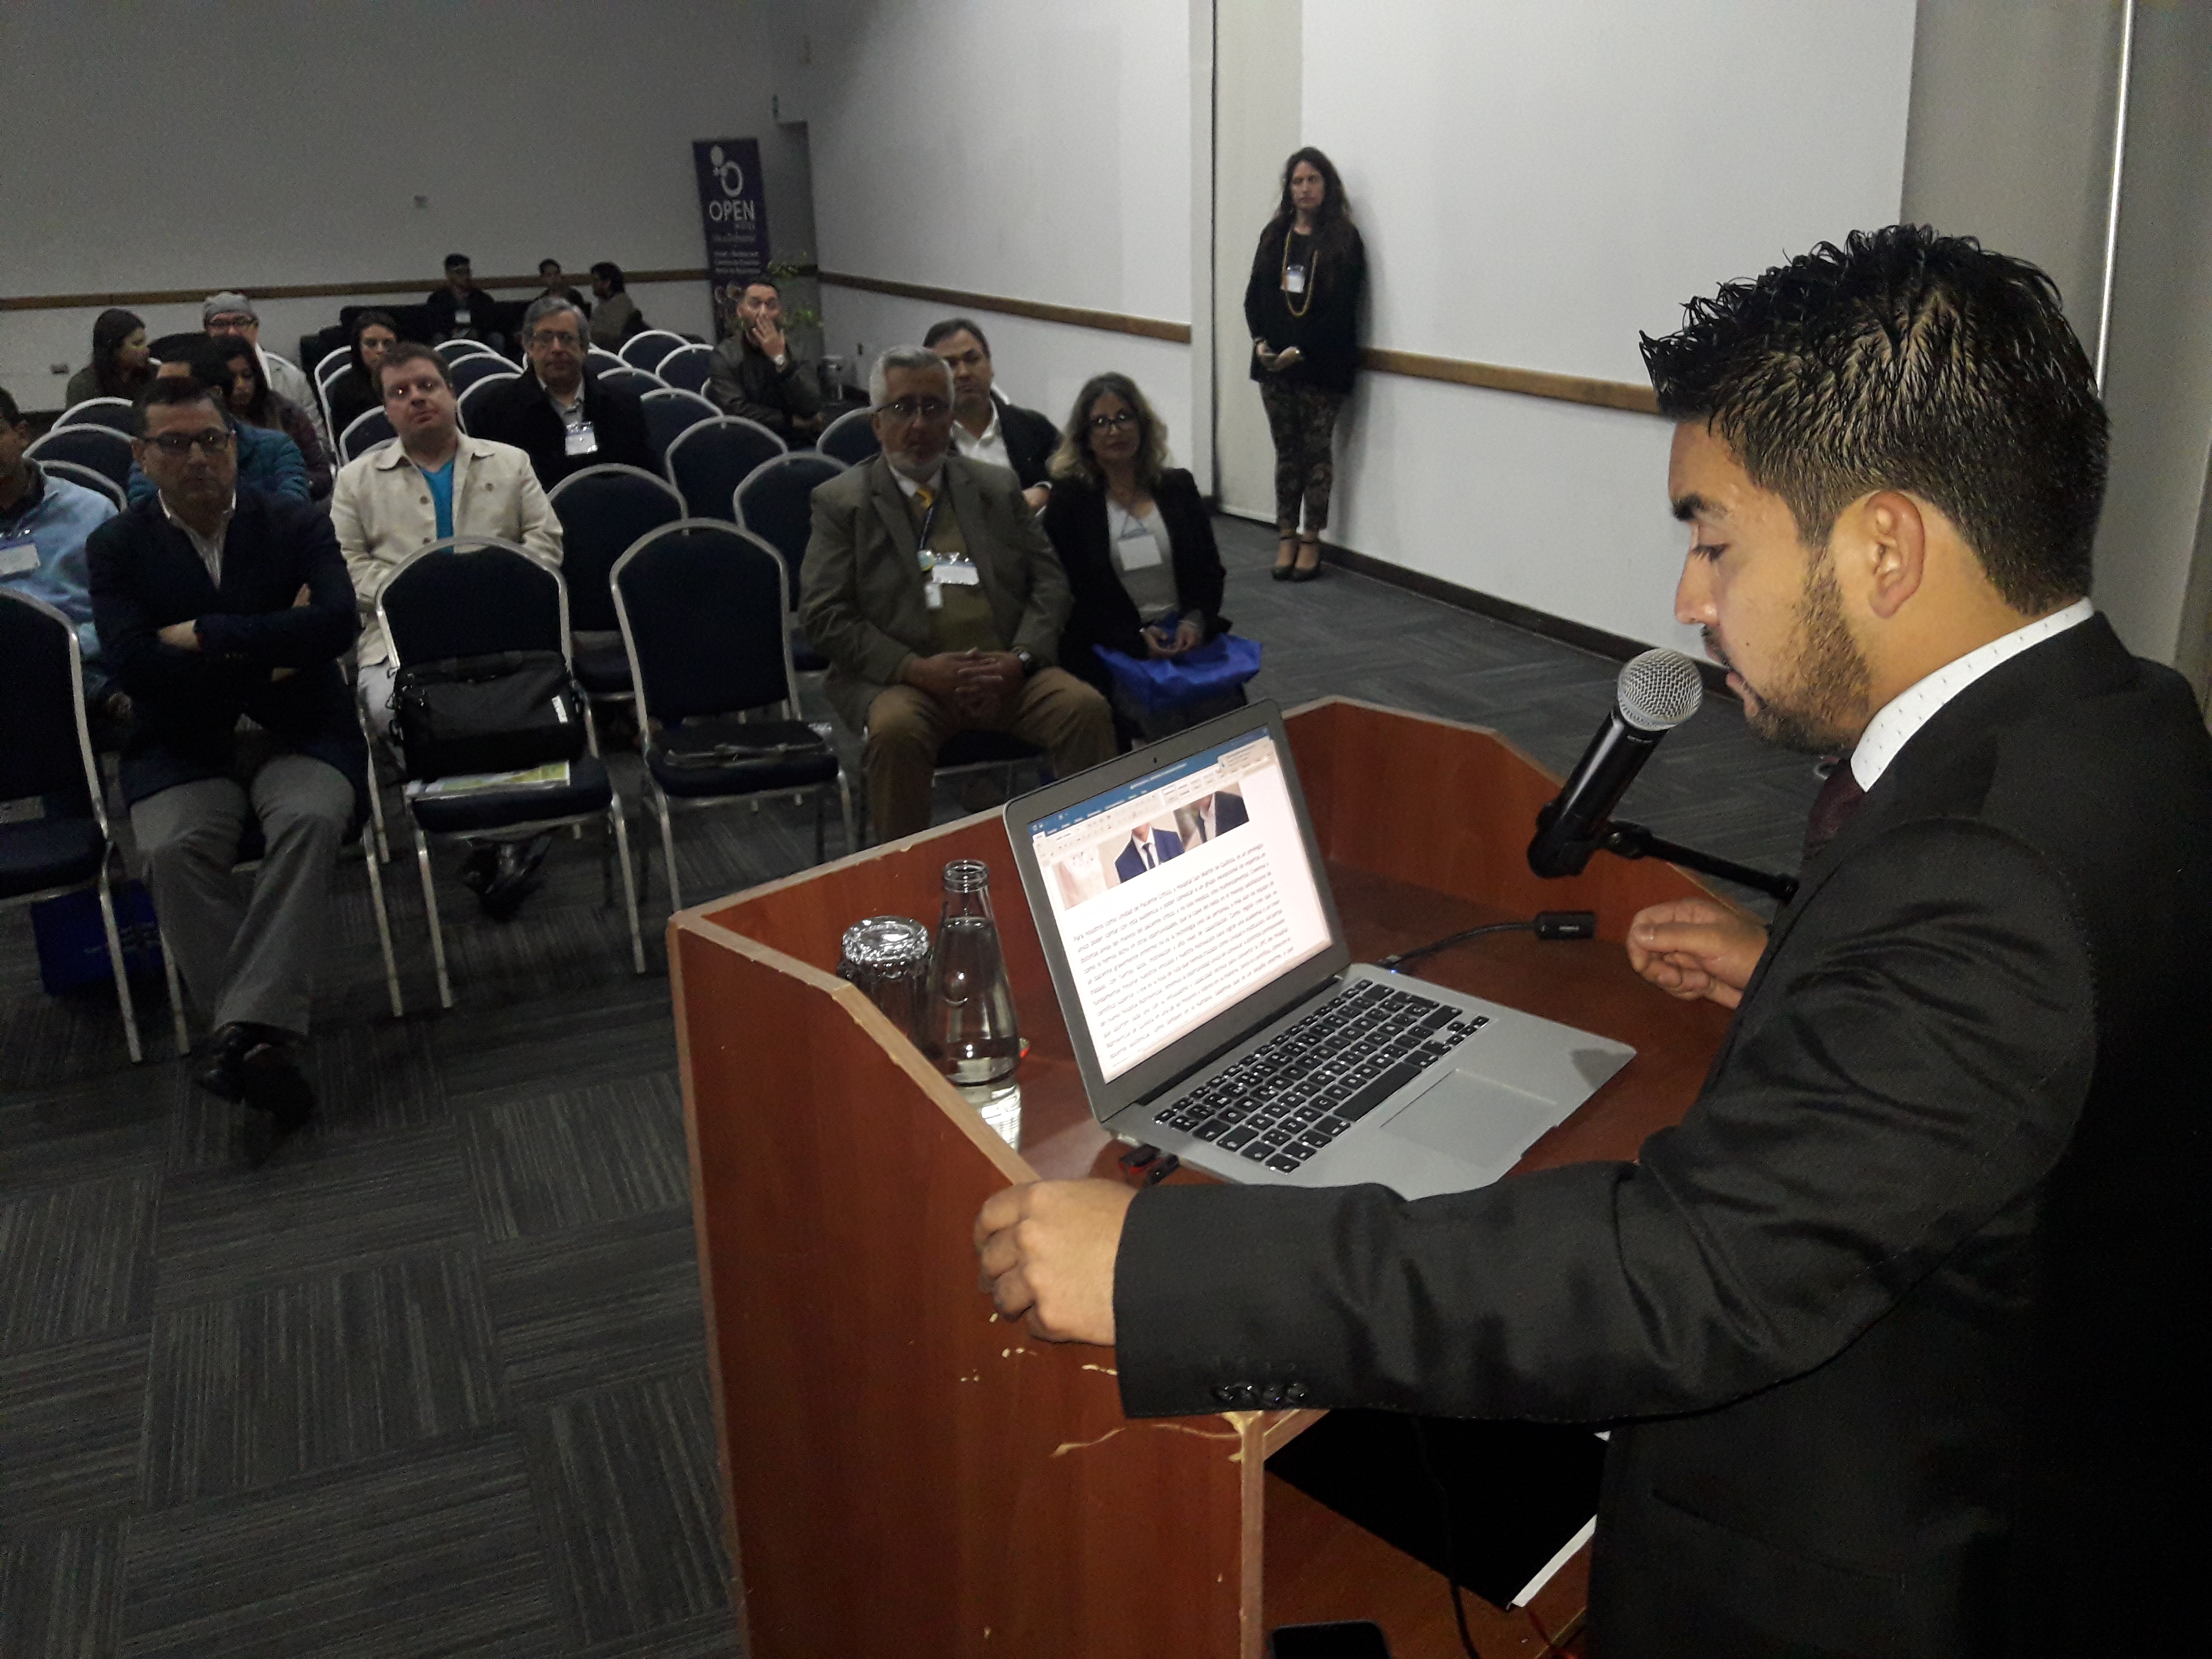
[434, 1382]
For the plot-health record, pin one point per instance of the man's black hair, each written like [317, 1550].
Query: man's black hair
[452, 260]
[1911, 361]
[9, 414]
[952, 326]
[172, 392]
[611, 272]
[542, 263]
[208, 358]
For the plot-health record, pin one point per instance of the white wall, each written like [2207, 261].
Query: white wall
[1036, 152]
[138, 158]
[1539, 181]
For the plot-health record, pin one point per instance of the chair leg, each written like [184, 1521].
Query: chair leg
[629, 887]
[430, 904]
[383, 847]
[176, 992]
[122, 975]
[383, 931]
[845, 805]
[668, 852]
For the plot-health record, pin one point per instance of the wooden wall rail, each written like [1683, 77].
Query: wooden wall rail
[1111, 322]
[417, 286]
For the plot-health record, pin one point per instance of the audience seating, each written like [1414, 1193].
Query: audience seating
[453, 351]
[482, 385]
[686, 368]
[598, 358]
[775, 503]
[645, 349]
[331, 365]
[637, 380]
[45, 750]
[603, 510]
[370, 427]
[708, 462]
[479, 367]
[114, 413]
[471, 596]
[100, 448]
[670, 413]
[851, 437]
[90, 480]
[702, 606]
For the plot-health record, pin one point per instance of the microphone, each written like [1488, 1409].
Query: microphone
[1657, 691]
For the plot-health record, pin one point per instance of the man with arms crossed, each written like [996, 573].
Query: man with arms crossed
[1893, 1328]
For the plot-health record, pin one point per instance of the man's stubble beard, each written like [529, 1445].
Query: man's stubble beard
[1822, 708]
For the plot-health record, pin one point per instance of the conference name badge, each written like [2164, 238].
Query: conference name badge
[19, 554]
[1294, 279]
[581, 440]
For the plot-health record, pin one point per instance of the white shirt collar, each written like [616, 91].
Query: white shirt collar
[1896, 721]
[209, 548]
[935, 481]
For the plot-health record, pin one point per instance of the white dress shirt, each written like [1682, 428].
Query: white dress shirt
[1897, 720]
[209, 548]
[990, 449]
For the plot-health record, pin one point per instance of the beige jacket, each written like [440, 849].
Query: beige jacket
[381, 508]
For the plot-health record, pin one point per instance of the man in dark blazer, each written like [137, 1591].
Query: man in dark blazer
[222, 614]
[564, 419]
[1894, 1328]
[985, 427]
[1148, 849]
[939, 603]
[1210, 816]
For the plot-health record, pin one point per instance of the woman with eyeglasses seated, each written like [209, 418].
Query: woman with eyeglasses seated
[254, 401]
[1131, 533]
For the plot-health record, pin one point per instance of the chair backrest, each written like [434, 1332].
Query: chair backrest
[708, 462]
[471, 596]
[370, 427]
[114, 413]
[598, 358]
[90, 480]
[603, 511]
[453, 351]
[101, 448]
[686, 368]
[482, 365]
[333, 364]
[639, 381]
[670, 413]
[473, 393]
[775, 502]
[646, 349]
[702, 606]
[45, 746]
[851, 437]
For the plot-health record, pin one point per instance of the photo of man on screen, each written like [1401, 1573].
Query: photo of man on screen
[1150, 845]
[1210, 815]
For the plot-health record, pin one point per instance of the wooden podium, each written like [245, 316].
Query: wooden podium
[905, 1475]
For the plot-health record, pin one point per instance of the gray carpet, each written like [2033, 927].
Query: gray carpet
[434, 1382]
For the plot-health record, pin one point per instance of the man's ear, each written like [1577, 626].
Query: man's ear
[1891, 540]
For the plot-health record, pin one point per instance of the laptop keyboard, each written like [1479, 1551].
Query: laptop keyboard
[1292, 1096]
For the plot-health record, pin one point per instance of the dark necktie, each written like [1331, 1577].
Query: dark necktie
[1838, 798]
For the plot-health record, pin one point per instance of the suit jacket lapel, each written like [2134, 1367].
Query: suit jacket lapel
[891, 507]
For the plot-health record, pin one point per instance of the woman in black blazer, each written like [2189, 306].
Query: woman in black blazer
[1131, 533]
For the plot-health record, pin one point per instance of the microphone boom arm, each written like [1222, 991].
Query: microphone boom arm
[1633, 841]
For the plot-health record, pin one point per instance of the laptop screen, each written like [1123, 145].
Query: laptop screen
[1179, 894]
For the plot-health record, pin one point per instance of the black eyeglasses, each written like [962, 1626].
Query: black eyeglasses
[181, 443]
[908, 408]
[1113, 422]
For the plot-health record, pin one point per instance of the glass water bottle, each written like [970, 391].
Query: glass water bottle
[971, 1033]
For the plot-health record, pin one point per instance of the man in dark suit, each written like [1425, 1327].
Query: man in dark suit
[939, 603]
[222, 613]
[1893, 1328]
[564, 419]
[1210, 816]
[985, 427]
[1148, 849]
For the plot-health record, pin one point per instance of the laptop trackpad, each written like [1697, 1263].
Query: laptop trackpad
[1477, 1120]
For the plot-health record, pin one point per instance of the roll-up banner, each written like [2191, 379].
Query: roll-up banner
[736, 221]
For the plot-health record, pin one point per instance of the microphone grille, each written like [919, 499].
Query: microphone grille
[1659, 690]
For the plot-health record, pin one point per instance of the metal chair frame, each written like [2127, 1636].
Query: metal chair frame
[330, 365]
[664, 804]
[853, 417]
[461, 403]
[720, 423]
[74, 414]
[650, 337]
[36, 450]
[453, 351]
[705, 355]
[90, 480]
[609, 699]
[346, 450]
[524, 830]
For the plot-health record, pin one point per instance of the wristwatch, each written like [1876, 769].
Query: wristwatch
[1028, 662]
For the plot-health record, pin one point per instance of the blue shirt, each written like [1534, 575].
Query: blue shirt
[267, 461]
[56, 520]
[441, 495]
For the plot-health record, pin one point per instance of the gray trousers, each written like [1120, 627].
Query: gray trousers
[247, 960]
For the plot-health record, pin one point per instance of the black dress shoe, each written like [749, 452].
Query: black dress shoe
[1283, 573]
[1306, 574]
[279, 1101]
[216, 1069]
[480, 867]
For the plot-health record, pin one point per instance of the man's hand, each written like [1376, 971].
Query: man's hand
[1158, 644]
[1047, 1251]
[1694, 948]
[767, 336]
[185, 636]
[938, 676]
[1036, 496]
[989, 682]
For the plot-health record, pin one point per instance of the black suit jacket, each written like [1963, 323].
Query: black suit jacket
[517, 412]
[1104, 614]
[1896, 1324]
[1030, 438]
[185, 704]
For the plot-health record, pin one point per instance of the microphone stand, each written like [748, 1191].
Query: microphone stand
[1633, 841]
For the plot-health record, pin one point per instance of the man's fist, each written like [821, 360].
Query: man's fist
[1047, 1251]
[1693, 948]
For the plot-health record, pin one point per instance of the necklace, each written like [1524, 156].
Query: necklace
[1312, 270]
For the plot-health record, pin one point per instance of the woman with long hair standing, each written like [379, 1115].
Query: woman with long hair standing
[1302, 305]
[120, 367]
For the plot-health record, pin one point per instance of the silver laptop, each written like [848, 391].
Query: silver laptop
[1215, 1011]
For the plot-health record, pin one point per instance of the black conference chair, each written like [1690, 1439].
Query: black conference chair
[476, 391]
[686, 368]
[851, 438]
[370, 427]
[670, 413]
[474, 596]
[480, 367]
[102, 449]
[701, 605]
[91, 480]
[708, 462]
[645, 348]
[600, 359]
[775, 502]
[45, 750]
[454, 351]
[603, 510]
[116, 414]
[641, 381]
[331, 364]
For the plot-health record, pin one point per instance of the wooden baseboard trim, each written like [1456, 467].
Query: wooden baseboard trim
[1529, 382]
[958, 299]
[417, 286]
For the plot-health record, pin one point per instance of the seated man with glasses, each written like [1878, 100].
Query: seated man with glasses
[267, 460]
[222, 613]
[563, 418]
[939, 602]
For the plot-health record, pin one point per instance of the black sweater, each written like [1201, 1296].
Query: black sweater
[1329, 353]
[1104, 613]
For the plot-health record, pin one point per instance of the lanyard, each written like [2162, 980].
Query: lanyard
[928, 519]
